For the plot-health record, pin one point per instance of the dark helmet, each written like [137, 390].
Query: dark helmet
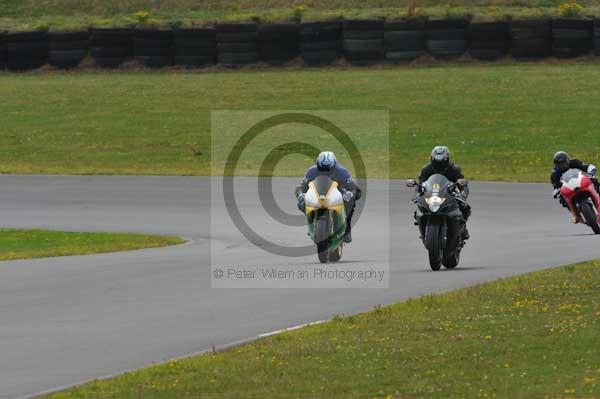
[326, 161]
[440, 158]
[561, 161]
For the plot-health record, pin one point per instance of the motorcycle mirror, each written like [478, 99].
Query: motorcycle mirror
[411, 183]
[462, 182]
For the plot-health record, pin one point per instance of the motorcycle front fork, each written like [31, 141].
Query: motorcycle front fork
[423, 226]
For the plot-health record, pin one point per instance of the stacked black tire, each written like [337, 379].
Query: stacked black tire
[447, 38]
[404, 40]
[26, 50]
[195, 48]
[237, 44]
[66, 50]
[110, 48]
[596, 37]
[531, 39]
[363, 41]
[571, 37]
[2, 50]
[153, 48]
[489, 40]
[278, 43]
[320, 42]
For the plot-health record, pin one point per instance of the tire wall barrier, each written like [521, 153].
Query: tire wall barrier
[110, 48]
[571, 38]
[2, 50]
[153, 48]
[67, 50]
[596, 37]
[531, 39]
[278, 43]
[404, 40]
[320, 42]
[237, 44]
[195, 48]
[489, 40]
[359, 42]
[363, 41]
[447, 38]
[26, 50]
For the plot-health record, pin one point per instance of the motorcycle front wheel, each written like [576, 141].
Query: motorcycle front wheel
[322, 239]
[434, 244]
[590, 216]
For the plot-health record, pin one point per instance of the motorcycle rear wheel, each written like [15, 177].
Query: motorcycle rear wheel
[336, 254]
[451, 261]
[434, 245]
[452, 252]
[590, 216]
[322, 238]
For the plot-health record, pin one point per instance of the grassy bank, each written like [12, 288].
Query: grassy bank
[532, 336]
[27, 244]
[71, 14]
[503, 122]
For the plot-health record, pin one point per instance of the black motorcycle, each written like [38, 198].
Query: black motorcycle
[440, 219]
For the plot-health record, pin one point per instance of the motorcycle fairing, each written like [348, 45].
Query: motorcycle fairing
[323, 198]
[577, 187]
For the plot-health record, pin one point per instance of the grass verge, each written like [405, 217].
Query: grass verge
[530, 336]
[503, 122]
[27, 244]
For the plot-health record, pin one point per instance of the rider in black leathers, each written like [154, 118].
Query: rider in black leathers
[562, 163]
[442, 164]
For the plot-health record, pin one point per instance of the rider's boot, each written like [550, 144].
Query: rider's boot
[348, 236]
[465, 234]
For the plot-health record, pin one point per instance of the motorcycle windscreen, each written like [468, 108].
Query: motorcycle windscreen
[437, 183]
[322, 184]
[570, 175]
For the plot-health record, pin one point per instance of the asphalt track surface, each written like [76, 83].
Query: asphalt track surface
[65, 320]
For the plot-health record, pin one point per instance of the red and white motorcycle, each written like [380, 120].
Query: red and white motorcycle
[579, 192]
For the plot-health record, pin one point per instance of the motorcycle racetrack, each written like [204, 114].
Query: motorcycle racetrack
[66, 320]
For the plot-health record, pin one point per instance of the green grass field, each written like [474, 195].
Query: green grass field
[532, 336]
[69, 14]
[27, 244]
[503, 122]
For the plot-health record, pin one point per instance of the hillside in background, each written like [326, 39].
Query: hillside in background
[66, 14]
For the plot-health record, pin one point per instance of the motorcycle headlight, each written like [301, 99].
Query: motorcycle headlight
[435, 203]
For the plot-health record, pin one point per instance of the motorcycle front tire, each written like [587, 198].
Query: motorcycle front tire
[322, 239]
[590, 217]
[434, 244]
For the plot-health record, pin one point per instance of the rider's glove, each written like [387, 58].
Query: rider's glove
[301, 197]
[556, 192]
[592, 170]
[348, 196]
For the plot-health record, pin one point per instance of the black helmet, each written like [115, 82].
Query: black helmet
[440, 158]
[561, 161]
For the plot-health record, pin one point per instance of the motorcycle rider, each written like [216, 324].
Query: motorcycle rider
[441, 163]
[327, 164]
[562, 163]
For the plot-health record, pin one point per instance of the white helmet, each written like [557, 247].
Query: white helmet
[326, 161]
